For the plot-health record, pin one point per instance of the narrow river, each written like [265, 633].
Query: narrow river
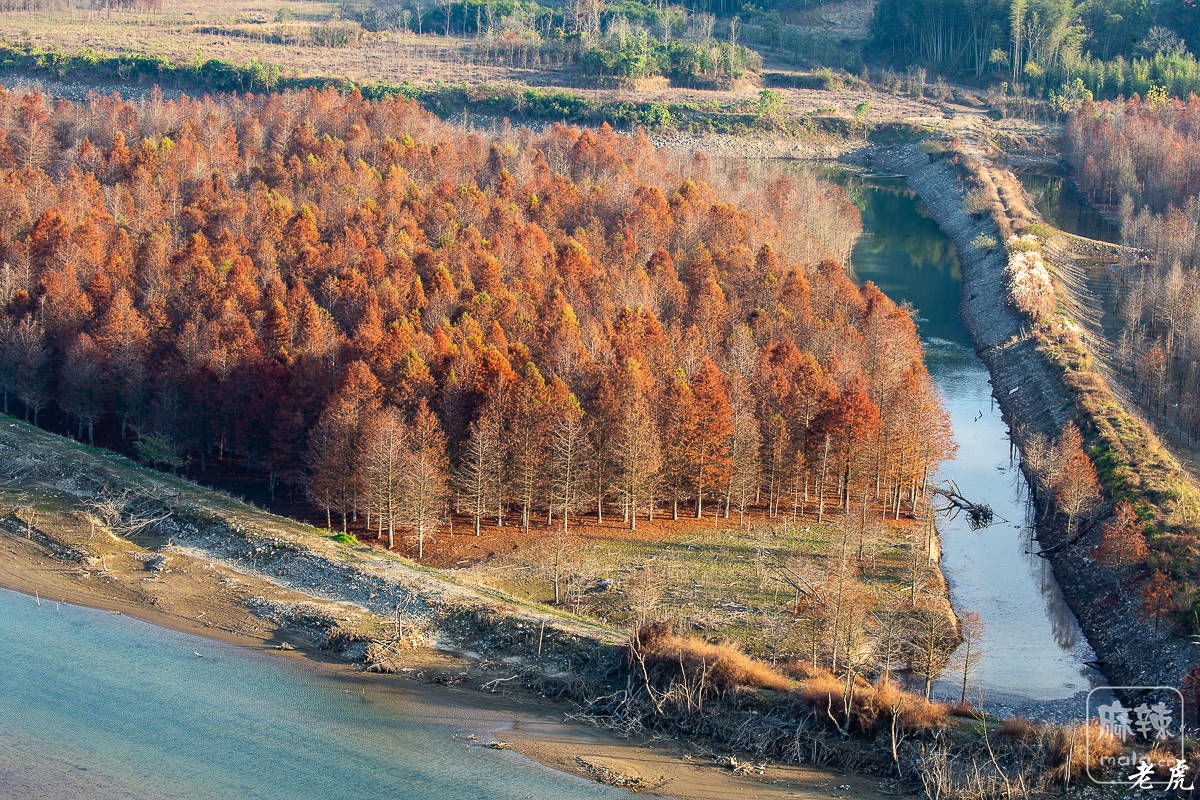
[1034, 651]
[98, 705]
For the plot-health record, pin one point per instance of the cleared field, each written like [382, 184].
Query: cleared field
[240, 30]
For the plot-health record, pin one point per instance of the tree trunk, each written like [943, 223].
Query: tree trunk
[962, 701]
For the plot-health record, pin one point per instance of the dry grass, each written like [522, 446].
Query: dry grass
[915, 712]
[1163, 757]
[672, 658]
[1020, 729]
[872, 705]
[1070, 750]
[725, 666]
[819, 686]
[1073, 750]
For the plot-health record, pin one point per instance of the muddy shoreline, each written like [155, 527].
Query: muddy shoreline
[530, 727]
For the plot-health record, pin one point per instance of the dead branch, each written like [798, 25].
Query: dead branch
[979, 515]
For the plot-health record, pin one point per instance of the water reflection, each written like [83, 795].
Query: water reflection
[1061, 205]
[1033, 646]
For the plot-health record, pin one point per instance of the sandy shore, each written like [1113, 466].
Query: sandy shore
[209, 600]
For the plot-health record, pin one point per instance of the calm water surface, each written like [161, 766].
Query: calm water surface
[1061, 205]
[100, 706]
[1033, 645]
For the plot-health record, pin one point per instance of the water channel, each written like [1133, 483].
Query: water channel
[1061, 205]
[1034, 650]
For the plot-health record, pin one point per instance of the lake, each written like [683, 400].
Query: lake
[101, 706]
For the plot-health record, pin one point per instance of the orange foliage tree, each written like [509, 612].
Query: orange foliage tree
[559, 317]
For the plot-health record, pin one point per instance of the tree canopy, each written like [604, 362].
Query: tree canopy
[345, 293]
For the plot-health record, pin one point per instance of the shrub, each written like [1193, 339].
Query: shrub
[1020, 729]
[345, 538]
[336, 33]
[978, 199]
[984, 242]
[656, 115]
[1030, 289]
[1040, 229]
[1024, 244]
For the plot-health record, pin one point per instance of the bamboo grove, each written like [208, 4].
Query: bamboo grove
[410, 321]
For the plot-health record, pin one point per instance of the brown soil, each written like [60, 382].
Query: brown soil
[458, 547]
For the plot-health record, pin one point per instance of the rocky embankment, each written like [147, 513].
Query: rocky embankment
[1033, 398]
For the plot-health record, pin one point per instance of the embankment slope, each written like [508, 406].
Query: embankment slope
[1033, 397]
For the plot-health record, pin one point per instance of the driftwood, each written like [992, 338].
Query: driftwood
[979, 515]
[127, 513]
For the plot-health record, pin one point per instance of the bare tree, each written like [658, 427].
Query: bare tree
[585, 14]
[645, 592]
[568, 448]
[423, 489]
[970, 652]
[477, 490]
[330, 458]
[557, 561]
[933, 631]
[638, 457]
[382, 463]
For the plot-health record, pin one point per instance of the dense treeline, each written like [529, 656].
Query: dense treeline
[471, 16]
[1111, 47]
[399, 315]
[1144, 157]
